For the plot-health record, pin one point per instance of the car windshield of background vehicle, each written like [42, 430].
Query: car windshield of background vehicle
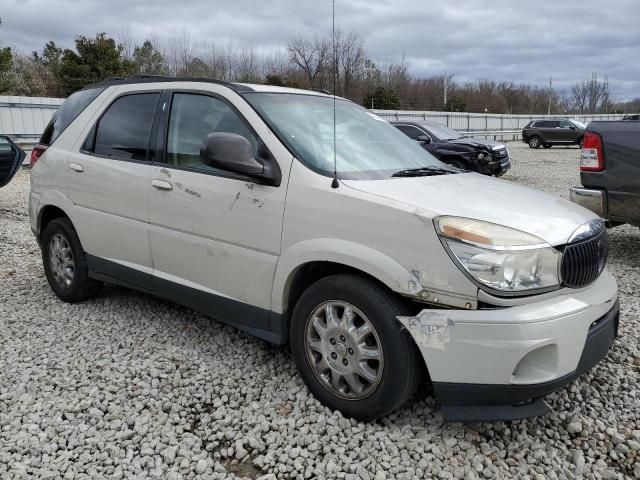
[367, 147]
[442, 132]
[578, 124]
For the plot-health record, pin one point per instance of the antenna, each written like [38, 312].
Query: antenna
[334, 182]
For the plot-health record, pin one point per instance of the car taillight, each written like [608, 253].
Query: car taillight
[36, 153]
[592, 157]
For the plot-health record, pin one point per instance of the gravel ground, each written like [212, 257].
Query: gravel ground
[128, 386]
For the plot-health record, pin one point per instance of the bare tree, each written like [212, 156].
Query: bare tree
[579, 94]
[351, 57]
[245, 66]
[310, 56]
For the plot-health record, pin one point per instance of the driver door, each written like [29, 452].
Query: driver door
[214, 235]
[11, 157]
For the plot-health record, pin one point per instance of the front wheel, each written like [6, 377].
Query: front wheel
[351, 351]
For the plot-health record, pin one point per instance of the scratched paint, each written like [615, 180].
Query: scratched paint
[429, 328]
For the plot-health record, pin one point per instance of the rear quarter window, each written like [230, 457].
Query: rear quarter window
[67, 113]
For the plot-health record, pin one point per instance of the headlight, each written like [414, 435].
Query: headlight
[500, 258]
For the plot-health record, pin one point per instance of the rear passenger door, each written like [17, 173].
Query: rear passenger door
[215, 235]
[551, 131]
[108, 182]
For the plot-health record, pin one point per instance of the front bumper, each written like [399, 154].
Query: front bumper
[497, 363]
[592, 199]
[495, 167]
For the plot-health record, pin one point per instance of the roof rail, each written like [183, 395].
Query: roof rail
[143, 78]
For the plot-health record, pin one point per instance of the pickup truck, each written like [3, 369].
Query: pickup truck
[610, 172]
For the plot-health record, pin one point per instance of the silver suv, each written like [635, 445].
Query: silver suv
[306, 219]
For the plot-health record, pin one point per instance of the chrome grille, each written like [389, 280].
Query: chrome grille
[584, 260]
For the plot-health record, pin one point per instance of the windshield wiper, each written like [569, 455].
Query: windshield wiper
[423, 172]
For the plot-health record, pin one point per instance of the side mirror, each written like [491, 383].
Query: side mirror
[233, 153]
[572, 127]
[229, 151]
[11, 157]
[424, 139]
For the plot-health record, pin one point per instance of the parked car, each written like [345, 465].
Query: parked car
[610, 172]
[475, 154]
[306, 219]
[546, 133]
[11, 157]
[633, 116]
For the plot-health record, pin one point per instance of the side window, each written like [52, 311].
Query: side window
[565, 124]
[67, 113]
[411, 132]
[124, 129]
[192, 118]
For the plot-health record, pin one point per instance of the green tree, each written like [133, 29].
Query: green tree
[382, 98]
[94, 60]
[148, 60]
[6, 66]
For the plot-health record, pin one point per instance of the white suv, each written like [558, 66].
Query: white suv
[391, 269]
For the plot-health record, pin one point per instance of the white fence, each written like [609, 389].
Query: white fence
[502, 126]
[24, 119]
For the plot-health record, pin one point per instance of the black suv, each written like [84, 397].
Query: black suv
[546, 133]
[449, 146]
[633, 116]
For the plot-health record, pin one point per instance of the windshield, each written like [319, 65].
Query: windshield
[578, 124]
[442, 132]
[367, 147]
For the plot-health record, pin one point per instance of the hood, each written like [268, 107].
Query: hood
[477, 142]
[484, 198]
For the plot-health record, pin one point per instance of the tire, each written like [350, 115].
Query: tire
[535, 142]
[393, 378]
[581, 142]
[65, 263]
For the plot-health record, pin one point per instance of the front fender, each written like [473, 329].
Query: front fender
[360, 257]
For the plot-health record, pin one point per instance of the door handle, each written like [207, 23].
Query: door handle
[161, 185]
[76, 167]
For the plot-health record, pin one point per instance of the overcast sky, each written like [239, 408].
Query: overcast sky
[473, 39]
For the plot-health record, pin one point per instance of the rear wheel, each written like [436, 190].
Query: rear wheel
[351, 351]
[65, 264]
[535, 142]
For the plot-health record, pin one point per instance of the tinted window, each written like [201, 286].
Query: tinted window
[566, 124]
[411, 132]
[545, 124]
[192, 118]
[124, 129]
[68, 111]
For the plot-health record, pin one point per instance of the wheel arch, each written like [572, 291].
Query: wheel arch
[308, 261]
[52, 204]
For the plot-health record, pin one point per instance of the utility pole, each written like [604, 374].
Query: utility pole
[550, 93]
[445, 90]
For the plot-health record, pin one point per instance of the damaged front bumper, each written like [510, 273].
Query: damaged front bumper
[497, 364]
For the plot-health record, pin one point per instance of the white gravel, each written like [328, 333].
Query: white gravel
[129, 386]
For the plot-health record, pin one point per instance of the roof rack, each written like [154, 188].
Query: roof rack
[110, 81]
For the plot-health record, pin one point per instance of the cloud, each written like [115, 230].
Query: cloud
[473, 39]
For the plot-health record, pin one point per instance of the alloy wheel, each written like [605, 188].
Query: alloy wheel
[61, 260]
[344, 350]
